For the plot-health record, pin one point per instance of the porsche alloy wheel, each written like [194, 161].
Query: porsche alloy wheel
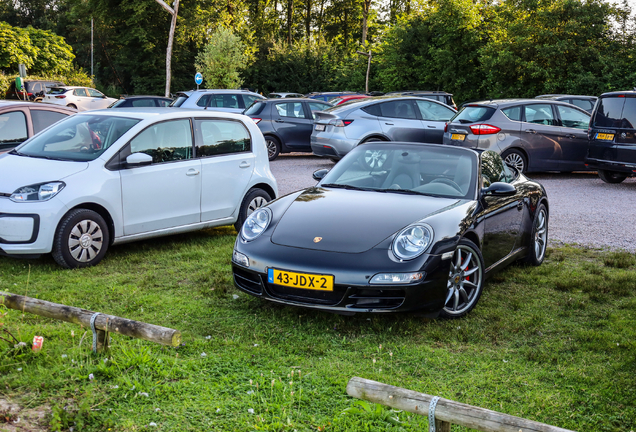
[465, 280]
[539, 237]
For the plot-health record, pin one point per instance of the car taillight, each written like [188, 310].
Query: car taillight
[256, 120]
[445, 127]
[340, 123]
[60, 97]
[484, 129]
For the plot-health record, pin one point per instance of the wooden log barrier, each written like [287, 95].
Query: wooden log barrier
[447, 412]
[103, 323]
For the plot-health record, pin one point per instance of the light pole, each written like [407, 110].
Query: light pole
[368, 55]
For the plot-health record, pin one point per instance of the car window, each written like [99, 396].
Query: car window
[143, 102]
[290, 109]
[540, 114]
[163, 103]
[181, 98]
[317, 106]
[218, 137]
[36, 87]
[94, 93]
[373, 110]
[573, 118]
[224, 101]
[513, 113]
[255, 109]
[586, 104]
[78, 138]
[203, 100]
[404, 109]
[80, 92]
[249, 99]
[57, 90]
[44, 118]
[13, 127]
[166, 141]
[473, 114]
[493, 169]
[434, 112]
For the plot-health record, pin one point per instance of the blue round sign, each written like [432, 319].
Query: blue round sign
[198, 78]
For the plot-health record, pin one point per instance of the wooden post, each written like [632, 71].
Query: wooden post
[447, 412]
[103, 323]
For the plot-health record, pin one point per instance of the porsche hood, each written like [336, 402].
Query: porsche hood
[350, 221]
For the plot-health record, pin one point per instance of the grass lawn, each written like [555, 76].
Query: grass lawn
[555, 343]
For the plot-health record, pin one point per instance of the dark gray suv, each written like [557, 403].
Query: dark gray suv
[530, 134]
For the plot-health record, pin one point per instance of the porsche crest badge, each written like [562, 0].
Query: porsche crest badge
[317, 239]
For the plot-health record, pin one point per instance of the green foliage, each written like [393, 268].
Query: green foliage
[54, 55]
[221, 59]
[15, 48]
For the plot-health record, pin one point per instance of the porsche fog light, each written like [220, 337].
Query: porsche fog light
[397, 278]
[37, 192]
[255, 224]
[412, 241]
[240, 259]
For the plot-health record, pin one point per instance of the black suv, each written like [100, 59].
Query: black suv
[612, 135]
[34, 90]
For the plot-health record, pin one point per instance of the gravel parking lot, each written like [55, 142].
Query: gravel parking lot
[583, 209]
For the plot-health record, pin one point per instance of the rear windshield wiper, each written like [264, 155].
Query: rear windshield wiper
[464, 121]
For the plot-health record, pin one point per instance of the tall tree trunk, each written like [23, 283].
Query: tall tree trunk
[366, 6]
[308, 21]
[321, 15]
[290, 16]
[173, 24]
[346, 29]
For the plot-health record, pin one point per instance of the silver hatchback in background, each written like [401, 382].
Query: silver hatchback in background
[339, 129]
[530, 134]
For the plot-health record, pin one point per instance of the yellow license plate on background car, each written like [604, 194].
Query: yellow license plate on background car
[604, 136]
[300, 280]
[459, 137]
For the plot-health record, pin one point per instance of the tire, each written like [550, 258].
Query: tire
[465, 280]
[72, 106]
[254, 199]
[273, 147]
[81, 239]
[611, 176]
[539, 237]
[516, 159]
[373, 159]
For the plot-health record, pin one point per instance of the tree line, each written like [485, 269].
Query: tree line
[474, 49]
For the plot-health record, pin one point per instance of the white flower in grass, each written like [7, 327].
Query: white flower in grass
[19, 369]
[143, 394]
[250, 410]
[64, 356]
[218, 410]
[250, 392]
[152, 424]
[91, 377]
[204, 354]
[208, 337]
[234, 296]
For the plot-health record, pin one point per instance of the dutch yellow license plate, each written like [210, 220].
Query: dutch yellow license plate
[603, 136]
[300, 280]
[459, 137]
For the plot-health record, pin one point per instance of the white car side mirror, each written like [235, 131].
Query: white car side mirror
[138, 159]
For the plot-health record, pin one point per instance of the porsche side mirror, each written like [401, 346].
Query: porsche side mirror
[138, 159]
[499, 189]
[318, 175]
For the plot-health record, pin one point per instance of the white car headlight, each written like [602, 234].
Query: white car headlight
[255, 224]
[412, 241]
[37, 192]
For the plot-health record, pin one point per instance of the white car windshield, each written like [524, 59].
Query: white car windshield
[77, 138]
[407, 169]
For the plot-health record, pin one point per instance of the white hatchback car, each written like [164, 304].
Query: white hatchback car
[81, 98]
[106, 177]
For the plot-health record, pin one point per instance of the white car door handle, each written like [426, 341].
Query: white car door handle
[244, 164]
[192, 172]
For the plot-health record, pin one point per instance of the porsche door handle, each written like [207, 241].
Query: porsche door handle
[244, 164]
[192, 172]
[532, 131]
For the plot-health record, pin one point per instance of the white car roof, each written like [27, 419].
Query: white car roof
[143, 113]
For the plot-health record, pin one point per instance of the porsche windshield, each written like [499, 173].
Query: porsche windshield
[77, 138]
[415, 169]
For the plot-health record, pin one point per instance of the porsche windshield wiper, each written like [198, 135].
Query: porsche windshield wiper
[402, 191]
[346, 186]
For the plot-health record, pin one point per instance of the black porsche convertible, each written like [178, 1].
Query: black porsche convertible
[420, 230]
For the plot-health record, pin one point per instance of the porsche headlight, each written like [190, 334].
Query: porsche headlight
[37, 192]
[412, 241]
[255, 224]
